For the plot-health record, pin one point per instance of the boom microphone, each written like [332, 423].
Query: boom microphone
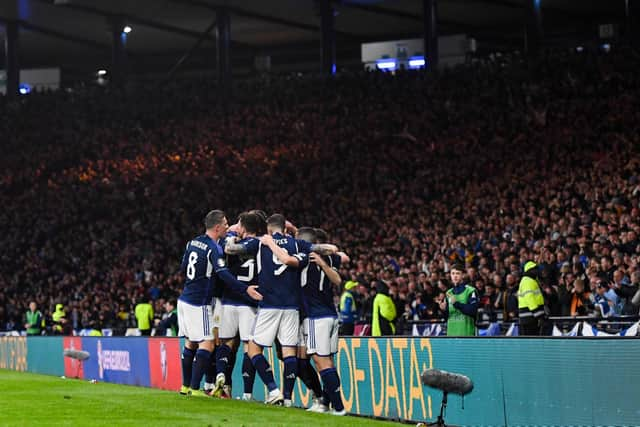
[448, 382]
[76, 354]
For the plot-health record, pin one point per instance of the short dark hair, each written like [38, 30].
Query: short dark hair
[262, 214]
[252, 222]
[307, 234]
[457, 266]
[276, 221]
[213, 218]
[321, 235]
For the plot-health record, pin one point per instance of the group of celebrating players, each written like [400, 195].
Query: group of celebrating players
[260, 282]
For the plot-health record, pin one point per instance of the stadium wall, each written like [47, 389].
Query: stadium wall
[518, 381]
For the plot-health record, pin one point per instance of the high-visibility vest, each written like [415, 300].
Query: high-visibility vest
[34, 318]
[458, 323]
[144, 315]
[350, 316]
[384, 307]
[530, 298]
[56, 317]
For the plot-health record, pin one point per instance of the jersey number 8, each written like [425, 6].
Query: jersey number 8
[191, 267]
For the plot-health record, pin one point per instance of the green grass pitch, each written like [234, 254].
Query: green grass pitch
[41, 400]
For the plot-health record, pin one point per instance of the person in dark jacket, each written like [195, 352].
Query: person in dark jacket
[625, 290]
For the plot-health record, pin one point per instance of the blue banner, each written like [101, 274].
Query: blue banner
[117, 360]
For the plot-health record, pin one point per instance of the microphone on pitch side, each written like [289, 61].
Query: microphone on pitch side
[76, 354]
[448, 382]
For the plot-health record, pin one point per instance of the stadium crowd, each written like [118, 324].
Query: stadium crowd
[492, 163]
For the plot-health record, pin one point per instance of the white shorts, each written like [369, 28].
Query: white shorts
[321, 336]
[302, 333]
[272, 322]
[195, 322]
[237, 318]
[217, 312]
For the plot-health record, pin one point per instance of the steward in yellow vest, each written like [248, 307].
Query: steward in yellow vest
[348, 309]
[59, 319]
[384, 313]
[530, 301]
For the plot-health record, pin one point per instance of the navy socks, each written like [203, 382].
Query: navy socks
[331, 383]
[187, 365]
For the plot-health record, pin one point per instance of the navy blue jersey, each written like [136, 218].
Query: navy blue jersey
[317, 289]
[218, 285]
[280, 284]
[244, 268]
[202, 258]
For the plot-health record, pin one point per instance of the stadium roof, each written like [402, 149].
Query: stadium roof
[74, 34]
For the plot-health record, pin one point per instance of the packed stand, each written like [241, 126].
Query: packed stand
[408, 173]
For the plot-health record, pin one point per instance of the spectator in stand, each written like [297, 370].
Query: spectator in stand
[169, 323]
[607, 268]
[510, 299]
[635, 277]
[625, 290]
[417, 308]
[551, 300]
[124, 173]
[581, 299]
[488, 302]
[434, 311]
[366, 305]
[602, 306]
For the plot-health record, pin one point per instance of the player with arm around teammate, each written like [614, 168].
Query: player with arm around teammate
[278, 312]
[320, 326]
[202, 264]
[239, 311]
[305, 370]
[278, 258]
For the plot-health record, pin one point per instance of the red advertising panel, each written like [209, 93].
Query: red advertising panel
[164, 363]
[73, 367]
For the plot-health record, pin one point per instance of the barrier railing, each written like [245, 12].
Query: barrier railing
[554, 326]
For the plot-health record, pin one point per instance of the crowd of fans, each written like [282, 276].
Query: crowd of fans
[492, 163]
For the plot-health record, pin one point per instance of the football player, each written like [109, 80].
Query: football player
[203, 264]
[239, 311]
[320, 325]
